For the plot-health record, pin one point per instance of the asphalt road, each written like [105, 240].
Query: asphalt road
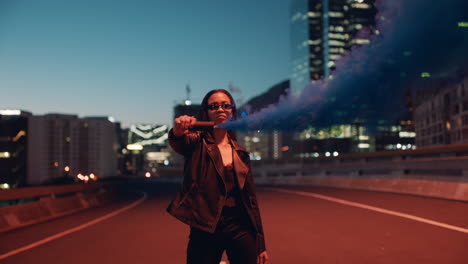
[312, 225]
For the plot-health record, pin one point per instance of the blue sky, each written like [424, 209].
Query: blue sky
[132, 59]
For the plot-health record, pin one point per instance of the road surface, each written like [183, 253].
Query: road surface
[302, 225]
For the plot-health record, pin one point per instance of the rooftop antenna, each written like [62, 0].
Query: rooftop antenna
[188, 90]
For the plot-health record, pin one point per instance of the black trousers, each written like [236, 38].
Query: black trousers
[233, 235]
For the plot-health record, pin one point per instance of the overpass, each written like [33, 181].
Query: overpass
[389, 207]
[440, 171]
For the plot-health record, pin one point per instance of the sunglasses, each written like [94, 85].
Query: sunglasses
[216, 106]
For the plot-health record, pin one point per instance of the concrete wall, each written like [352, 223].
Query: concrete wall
[46, 208]
[440, 172]
[429, 187]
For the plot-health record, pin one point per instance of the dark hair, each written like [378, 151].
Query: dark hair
[203, 112]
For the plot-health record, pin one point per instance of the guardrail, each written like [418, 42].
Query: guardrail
[440, 171]
[450, 167]
[50, 202]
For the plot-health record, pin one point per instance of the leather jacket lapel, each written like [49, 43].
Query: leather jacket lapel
[240, 168]
[215, 155]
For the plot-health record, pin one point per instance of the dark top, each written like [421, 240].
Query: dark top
[233, 216]
[232, 190]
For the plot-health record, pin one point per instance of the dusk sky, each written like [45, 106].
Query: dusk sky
[132, 59]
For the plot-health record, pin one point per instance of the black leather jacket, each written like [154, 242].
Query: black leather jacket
[200, 201]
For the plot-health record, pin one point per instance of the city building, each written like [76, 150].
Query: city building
[121, 142]
[322, 31]
[264, 144]
[441, 114]
[55, 148]
[313, 142]
[186, 108]
[148, 135]
[13, 148]
[100, 140]
[148, 147]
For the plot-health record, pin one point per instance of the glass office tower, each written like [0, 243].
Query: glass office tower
[321, 31]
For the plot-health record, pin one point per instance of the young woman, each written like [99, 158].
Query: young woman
[217, 199]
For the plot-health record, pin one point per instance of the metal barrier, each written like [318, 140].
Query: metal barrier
[440, 171]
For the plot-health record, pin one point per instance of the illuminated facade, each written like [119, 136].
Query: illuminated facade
[62, 146]
[55, 148]
[13, 148]
[100, 141]
[152, 140]
[442, 118]
[321, 31]
[264, 144]
[147, 135]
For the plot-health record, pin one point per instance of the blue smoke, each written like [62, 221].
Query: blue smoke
[417, 38]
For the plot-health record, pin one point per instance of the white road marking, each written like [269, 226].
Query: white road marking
[373, 208]
[72, 230]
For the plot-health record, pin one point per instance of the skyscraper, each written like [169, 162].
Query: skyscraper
[321, 31]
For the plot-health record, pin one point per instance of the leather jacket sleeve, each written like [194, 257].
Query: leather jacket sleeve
[185, 144]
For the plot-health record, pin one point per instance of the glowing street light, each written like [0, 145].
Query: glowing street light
[134, 147]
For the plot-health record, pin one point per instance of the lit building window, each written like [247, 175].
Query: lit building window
[360, 41]
[4, 155]
[337, 36]
[425, 75]
[314, 14]
[335, 14]
[7, 112]
[315, 42]
[363, 145]
[361, 5]
[336, 43]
